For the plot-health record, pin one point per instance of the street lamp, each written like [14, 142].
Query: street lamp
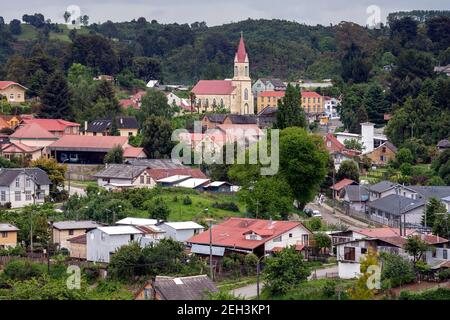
[258, 271]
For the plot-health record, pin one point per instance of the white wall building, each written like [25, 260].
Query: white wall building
[23, 186]
[103, 242]
[181, 231]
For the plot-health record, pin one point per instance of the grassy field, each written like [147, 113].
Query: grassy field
[31, 33]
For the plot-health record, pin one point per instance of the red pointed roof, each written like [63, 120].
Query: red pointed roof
[6, 84]
[241, 54]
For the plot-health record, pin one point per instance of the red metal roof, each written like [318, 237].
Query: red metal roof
[94, 142]
[51, 124]
[241, 54]
[220, 87]
[383, 232]
[310, 94]
[231, 233]
[6, 84]
[32, 131]
[279, 94]
[342, 184]
[132, 152]
[336, 145]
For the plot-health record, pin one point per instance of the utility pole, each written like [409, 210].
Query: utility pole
[48, 246]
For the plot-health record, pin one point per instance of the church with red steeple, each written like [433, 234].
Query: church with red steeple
[233, 94]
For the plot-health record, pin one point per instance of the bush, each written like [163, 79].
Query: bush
[250, 264]
[396, 270]
[315, 224]
[187, 201]
[438, 294]
[228, 206]
[444, 275]
[22, 270]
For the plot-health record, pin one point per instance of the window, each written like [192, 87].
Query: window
[444, 254]
[130, 134]
[149, 180]
[11, 96]
[103, 236]
[246, 94]
[3, 196]
[349, 253]
[28, 182]
[28, 195]
[246, 71]
[17, 182]
[4, 234]
[131, 237]
[363, 250]
[290, 235]
[17, 196]
[277, 239]
[70, 232]
[305, 239]
[142, 180]
[235, 70]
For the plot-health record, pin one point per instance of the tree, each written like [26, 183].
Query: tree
[315, 223]
[56, 98]
[396, 270]
[441, 226]
[322, 241]
[434, 207]
[157, 133]
[361, 290]
[146, 68]
[155, 103]
[376, 104]
[158, 209]
[354, 144]
[348, 170]
[404, 30]
[404, 156]
[115, 155]
[56, 173]
[67, 16]
[441, 166]
[269, 198]
[303, 163]
[355, 67]
[284, 271]
[15, 27]
[416, 247]
[125, 262]
[438, 31]
[290, 112]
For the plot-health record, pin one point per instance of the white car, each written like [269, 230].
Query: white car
[317, 214]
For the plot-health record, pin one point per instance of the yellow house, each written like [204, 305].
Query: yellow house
[14, 92]
[269, 99]
[312, 102]
[8, 235]
[127, 127]
[63, 231]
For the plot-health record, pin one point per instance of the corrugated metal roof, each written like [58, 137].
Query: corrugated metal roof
[203, 249]
[137, 222]
[73, 225]
[184, 225]
[192, 183]
[119, 230]
[8, 227]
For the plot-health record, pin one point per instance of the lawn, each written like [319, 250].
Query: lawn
[31, 33]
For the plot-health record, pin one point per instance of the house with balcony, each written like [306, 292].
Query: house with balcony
[20, 187]
[352, 246]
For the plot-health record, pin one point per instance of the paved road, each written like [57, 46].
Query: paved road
[249, 291]
[337, 218]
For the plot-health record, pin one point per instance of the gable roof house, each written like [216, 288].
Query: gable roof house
[88, 149]
[103, 242]
[32, 135]
[181, 231]
[57, 127]
[355, 246]
[251, 236]
[338, 151]
[339, 186]
[127, 127]
[20, 187]
[268, 84]
[168, 288]
[8, 235]
[123, 176]
[63, 231]
[13, 91]
[355, 197]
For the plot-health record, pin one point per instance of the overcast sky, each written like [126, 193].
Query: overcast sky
[215, 12]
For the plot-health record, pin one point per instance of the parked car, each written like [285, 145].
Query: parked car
[317, 214]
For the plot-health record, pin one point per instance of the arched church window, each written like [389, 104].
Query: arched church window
[246, 71]
[246, 94]
[207, 103]
[214, 102]
[221, 102]
[235, 71]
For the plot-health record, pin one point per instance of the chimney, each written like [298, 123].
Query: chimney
[367, 136]
[85, 126]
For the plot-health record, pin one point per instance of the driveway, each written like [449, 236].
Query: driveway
[250, 291]
[337, 218]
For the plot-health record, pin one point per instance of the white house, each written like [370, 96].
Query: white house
[115, 176]
[137, 222]
[330, 107]
[103, 242]
[181, 231]
[23, 186]
[368, 137]
[353, 246]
